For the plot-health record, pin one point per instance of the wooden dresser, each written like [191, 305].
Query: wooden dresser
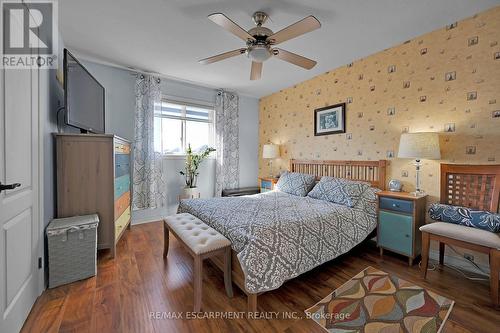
[93, 176]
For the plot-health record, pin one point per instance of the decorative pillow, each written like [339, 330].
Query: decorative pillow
[479, 219]
[368, 202]
[296, 183]
[339, 190]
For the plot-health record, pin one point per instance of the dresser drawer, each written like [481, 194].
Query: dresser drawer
[121, 170]
[395, 232]
[122, 203]
[121, 223]
[122, 185]
[405, 206]
[122, 148]
[122, 165]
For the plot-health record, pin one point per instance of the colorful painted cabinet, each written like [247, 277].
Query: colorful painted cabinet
[93, 176]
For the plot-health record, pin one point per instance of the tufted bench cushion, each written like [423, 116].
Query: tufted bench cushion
[195, 234]
[202, 242]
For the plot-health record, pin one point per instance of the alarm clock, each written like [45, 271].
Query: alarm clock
[395, 185]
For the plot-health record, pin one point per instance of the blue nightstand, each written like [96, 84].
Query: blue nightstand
[267, 184]
[400, 214]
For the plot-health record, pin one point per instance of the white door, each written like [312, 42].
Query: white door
[19, 208]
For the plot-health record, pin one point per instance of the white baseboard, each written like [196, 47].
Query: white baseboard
[148, 220]
[152, 215]
[454, 260]
[459, 262]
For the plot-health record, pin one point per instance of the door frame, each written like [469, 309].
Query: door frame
[41, 209]
[42, 116]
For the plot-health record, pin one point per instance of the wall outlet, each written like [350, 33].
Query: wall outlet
[469, 256]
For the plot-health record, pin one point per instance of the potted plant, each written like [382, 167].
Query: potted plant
[190, 172]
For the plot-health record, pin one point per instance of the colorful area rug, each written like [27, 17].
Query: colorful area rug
[375, 301]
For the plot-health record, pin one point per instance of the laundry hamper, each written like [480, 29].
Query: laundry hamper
[72, 244]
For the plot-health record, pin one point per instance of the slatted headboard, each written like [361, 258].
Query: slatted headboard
[474, 186]
[369, 171]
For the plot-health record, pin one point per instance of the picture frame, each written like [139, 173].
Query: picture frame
[329, 120]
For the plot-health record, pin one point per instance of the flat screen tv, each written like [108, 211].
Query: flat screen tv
[84, 97]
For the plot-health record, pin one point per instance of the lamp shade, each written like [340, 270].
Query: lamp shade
[419, 146]
[270, 151]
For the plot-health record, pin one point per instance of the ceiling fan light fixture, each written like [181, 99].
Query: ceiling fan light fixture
[259, 53]
[261, 41]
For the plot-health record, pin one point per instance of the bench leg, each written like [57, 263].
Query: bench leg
[165, 239]
[197, 280]
[425, 254]
[494, 268]
[252, 302]
[227, 272]
[441, 253]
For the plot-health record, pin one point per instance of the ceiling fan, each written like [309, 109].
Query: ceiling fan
[260, 41]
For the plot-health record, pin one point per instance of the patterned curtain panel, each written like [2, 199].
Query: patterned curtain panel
[149, 190]
[227, 141]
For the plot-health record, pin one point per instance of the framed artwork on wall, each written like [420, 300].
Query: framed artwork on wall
[329, 120]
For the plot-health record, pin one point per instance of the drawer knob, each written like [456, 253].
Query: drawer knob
[407, 236]
[395, 205]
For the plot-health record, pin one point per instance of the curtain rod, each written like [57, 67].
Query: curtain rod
[134, 71]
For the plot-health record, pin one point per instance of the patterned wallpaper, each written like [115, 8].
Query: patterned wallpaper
[446, 81]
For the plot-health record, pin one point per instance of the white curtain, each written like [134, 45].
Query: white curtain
[149, 190]
[227, 141]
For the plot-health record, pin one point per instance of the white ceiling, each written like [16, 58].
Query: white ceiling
[169, 36]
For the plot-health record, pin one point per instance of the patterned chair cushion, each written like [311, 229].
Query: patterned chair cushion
[339, 190]
[465, 216]
[296, 183]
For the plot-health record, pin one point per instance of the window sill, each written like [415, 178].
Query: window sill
[182, 157]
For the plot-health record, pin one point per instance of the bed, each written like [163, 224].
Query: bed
[277, 236]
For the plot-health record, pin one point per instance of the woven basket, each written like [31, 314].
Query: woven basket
[72, 244]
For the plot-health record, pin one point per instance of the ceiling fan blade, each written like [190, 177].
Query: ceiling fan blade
[230, 26]
[221, 56]
[256, 71]
[301, 27]
[294, 58]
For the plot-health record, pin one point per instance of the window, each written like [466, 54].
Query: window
[178, 125]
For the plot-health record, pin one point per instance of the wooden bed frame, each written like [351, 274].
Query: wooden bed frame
[369, 171]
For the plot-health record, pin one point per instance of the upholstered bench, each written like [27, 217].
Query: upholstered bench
[475, 187]
[202, 242]
[466, 237]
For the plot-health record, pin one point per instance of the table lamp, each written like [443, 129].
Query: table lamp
[271, 152]
[419, 146]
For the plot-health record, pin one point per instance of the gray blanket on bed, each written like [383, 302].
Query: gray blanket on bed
[278, 236]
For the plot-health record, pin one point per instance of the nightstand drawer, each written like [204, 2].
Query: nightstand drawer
[397, 205]
[395, 232]
[267, 184]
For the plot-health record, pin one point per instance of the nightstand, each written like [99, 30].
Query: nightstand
[400, 214]
[267, 184]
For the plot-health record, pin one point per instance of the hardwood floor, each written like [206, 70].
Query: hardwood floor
[139, 282]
